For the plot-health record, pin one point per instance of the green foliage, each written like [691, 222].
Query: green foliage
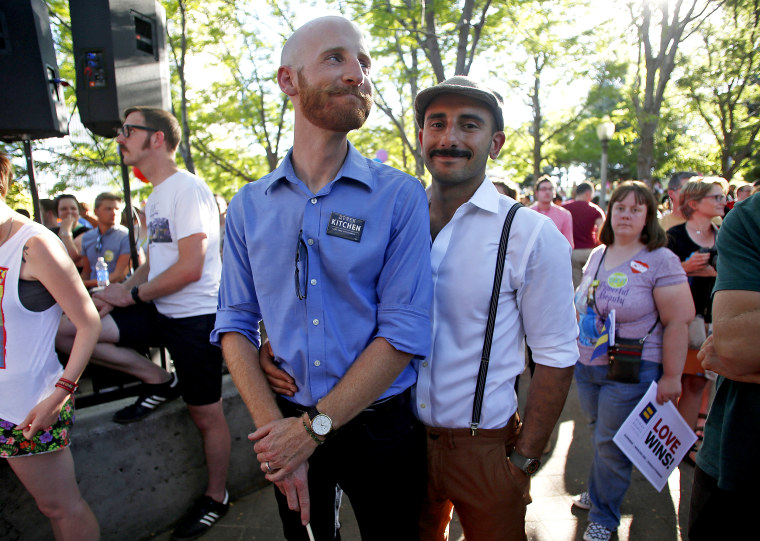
[722, 84]
[238, 125]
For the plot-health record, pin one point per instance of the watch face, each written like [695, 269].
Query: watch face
[532, 466]
[321, 424]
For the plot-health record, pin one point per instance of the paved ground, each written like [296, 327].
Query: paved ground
[647, 514]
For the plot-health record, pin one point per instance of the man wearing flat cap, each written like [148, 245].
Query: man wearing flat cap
[480, 464]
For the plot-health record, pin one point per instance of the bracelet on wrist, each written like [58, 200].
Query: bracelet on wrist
[67, 385]
[311, 433]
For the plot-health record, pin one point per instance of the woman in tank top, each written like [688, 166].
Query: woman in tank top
[38, 281]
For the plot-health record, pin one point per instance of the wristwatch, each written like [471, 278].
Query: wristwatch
[136, 295]
[321, 424]
[528, 465]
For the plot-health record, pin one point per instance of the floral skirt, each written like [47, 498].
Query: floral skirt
[56, 437]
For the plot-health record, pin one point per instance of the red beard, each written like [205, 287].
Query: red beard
[321, 108]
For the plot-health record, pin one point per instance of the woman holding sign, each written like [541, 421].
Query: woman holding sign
[633, 284]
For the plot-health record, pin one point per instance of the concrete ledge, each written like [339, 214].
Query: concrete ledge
[139, 479]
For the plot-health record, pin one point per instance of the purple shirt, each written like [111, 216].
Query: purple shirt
[628, 289]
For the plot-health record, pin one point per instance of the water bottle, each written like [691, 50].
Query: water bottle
[101, 272]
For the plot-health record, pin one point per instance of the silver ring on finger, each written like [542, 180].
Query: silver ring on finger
[269, 470]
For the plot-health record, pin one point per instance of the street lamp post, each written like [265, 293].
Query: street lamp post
[604, 132]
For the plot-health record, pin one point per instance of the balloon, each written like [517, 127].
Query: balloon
[382, 155]
[139, 175]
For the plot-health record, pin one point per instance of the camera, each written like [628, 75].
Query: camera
[713, 256]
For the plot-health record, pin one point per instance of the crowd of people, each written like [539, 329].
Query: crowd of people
[385, 375]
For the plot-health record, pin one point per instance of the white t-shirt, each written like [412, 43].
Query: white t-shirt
[181, 206]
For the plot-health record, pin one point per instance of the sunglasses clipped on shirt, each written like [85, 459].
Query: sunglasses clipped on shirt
[302, 261]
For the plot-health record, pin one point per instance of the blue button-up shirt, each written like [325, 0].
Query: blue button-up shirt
[366, 239]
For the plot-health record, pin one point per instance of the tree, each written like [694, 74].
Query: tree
[178, 46]
[406, 32]
[660, 31]
[547, 51]
[723, 84]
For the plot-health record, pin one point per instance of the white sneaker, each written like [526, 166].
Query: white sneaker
[597, 532]
[582, 501]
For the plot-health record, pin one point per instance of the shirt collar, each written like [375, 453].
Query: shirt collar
[486, 197]
[355, 167]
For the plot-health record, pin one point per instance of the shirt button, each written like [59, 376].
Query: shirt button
[424, 364]
[313, 281]
[423, 406]
[317, 363]
[311, 242]
[315, 321]
[313, 200]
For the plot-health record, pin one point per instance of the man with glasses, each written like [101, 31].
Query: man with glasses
[353, 235]
[170, 301]
[544, 194]
[108, 240]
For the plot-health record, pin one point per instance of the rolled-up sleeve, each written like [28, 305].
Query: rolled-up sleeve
[546, 301]
[405, 286]
[238, 308]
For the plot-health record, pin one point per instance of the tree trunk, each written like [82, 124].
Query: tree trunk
[184, 147]
[645, 161]
[537, 118]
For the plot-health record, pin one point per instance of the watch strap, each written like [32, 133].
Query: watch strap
[136, 295]
[528, 465]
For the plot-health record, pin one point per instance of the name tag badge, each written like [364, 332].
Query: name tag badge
[345, 227]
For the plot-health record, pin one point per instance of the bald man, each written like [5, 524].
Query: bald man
[347, 319]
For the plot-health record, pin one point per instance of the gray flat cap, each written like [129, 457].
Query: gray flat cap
[465, 86]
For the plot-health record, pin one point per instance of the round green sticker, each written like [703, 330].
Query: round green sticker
[617, 280]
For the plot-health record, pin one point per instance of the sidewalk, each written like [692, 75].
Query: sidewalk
[646, 514]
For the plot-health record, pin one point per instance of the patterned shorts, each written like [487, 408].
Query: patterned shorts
[56, 437]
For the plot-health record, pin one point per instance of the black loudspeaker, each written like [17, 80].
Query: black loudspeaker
[32, 105]
[121, 59]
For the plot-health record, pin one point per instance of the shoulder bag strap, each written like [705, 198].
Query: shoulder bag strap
[485, 356]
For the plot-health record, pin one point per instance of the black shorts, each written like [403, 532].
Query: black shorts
[197, 362]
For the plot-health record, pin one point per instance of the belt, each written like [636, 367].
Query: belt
[484, 434]
[386, 405]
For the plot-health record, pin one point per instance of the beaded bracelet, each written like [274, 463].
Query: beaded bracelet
[67, 385]
[311, 433]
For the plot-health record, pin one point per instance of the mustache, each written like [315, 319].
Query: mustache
[353, 91]
[451, 153]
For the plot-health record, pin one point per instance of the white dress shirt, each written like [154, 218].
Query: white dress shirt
[536, 298]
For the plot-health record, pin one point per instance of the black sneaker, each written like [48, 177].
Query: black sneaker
[201, 517]
[154, 395]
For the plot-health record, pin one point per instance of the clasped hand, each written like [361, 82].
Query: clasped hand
[113, 295]
[283, 449]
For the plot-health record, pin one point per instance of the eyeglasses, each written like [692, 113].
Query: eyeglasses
[99, 244]
[302, 258]
[718, 198]
[126, 129]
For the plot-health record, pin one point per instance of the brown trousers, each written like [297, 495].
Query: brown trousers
[470, 474]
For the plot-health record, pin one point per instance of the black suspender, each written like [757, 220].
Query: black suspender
[485, 356]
